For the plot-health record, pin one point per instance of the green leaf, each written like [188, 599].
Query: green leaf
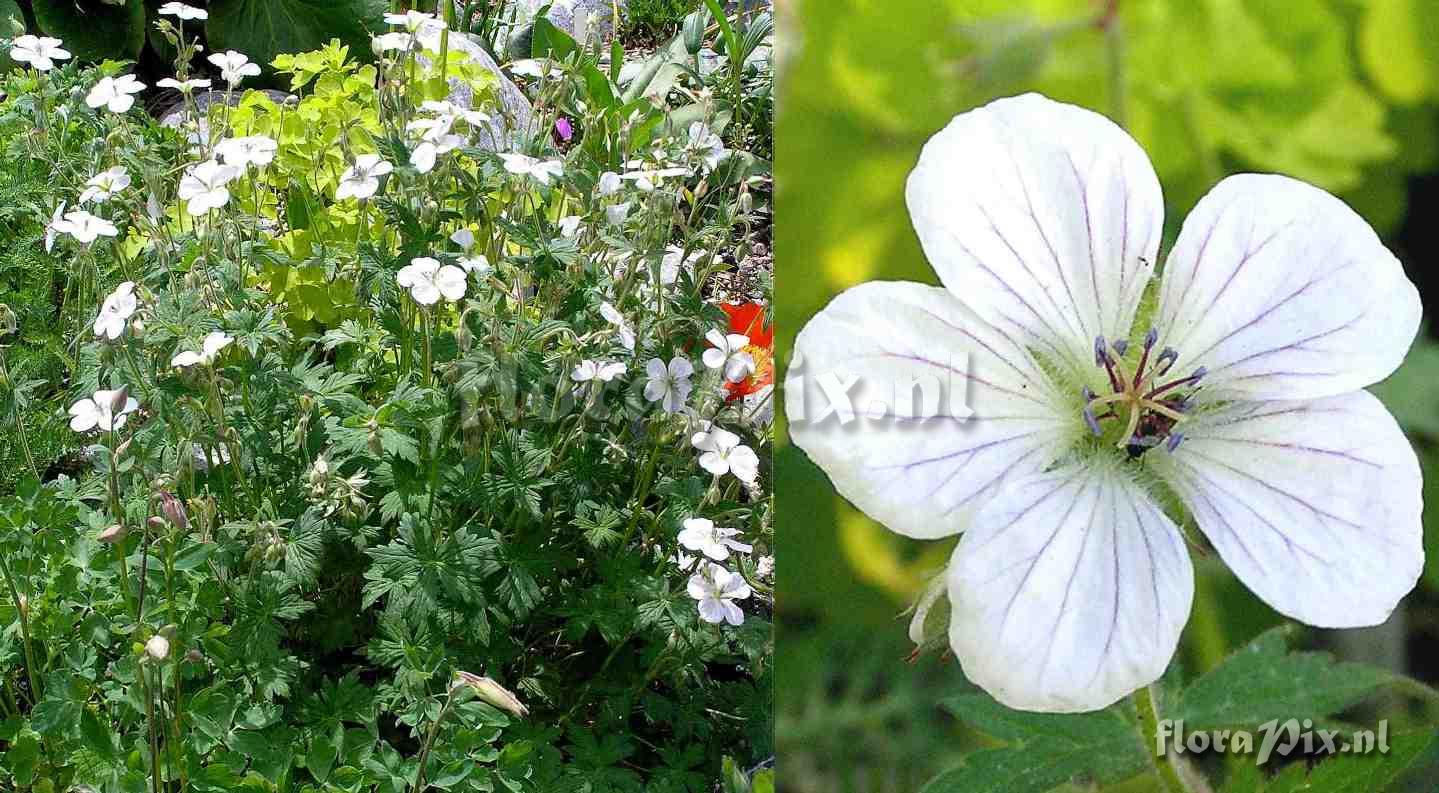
[94, 30]
[97, 734]
[263, 29]
[1264, 681]
[1397, 45]
[1344, 773]
[1043, 750]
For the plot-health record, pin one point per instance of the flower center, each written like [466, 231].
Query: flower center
[1147, 409]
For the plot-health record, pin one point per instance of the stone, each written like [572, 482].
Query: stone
[596, 16]
[512, 118]
[174, 113]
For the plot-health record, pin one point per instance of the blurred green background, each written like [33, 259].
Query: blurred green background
[1340, 93]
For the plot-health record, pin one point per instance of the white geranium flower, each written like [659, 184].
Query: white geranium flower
[541, 171]
[428, 281]
[649, 179]
[764, 568]
[727, 353]
[115, 94]
[449, 113]
[624, 334]
[41, 52]
[478, 263]
[669, 385]
[106, 411]
[210, 347]
[55, 227]
[257, 150]
[107, 183]
[1278, 305]
[83, 226]
[234, 66]
[412, 21]
[615, 214]
[570, 225]
[119, 305]
[610, 183]
[389, 42]
[424, 156]
[185, 86]
[717, 589]
[603, 371]
[701, 534]
[203, 186]
[722, 453]
[684, 561]
[362, 179]
[184, 11]
[704, 145]
[464, 238]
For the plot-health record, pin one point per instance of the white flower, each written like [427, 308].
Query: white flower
[116, 311]
[716, 589]
[701, 534]
[203, 186]
[648, 179]
[569, 225]
[533, 67]
[448, 113]
[463, 238]
[705, 145]
[210, 346]
[257, 150]
[54, 228]
[102, 412]
[1070, 585]
[234, 66]
[362, 179]
[114, 93]
[624, 334]
[728, 354]
[424, 155]
[478, 265]
[412, 21]
[183, 11]
[184, 87]
[40, 52]
[610, 183]
[684, 561]
[615, 214]
[101, 186]
[83, 226]
[669, 385]
[604, 371]
[721, 453]
[541, 171]
[387, 42]
[428, 281]
[764, 568]
[158, 648]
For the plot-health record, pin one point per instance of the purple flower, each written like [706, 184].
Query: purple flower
[564, 129]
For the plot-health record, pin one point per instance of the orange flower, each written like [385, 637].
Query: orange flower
[749, 319]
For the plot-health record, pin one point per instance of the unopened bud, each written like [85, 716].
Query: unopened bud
[112, 534]
[118, 399]
[155, 522]
[194, 656]
[174, 511]
[158, 647]
[492, 692]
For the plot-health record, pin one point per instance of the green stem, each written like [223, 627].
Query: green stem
[430, 740]
[24, 612]
[1148, 712]
[19, 420]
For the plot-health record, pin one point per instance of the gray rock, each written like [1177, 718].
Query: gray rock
[513, 117]
[598, 15]
[175, 113]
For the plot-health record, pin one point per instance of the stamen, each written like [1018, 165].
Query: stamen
[1174, 440]
[1163, 410]
[1093, 422]
[1194, 379]
[1166, 359]
[1121, 347]
[1101, 357]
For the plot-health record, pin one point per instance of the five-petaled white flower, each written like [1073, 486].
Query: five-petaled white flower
[83, 226]
[717, 589]
[362, 179]
[610, 183]
[40, 52]
[477, 263]
[119, 305]
[210, 347]
[183, 86]
[1278, 304]
[234, 66]
[728, 353]
[412, 21]
[387, 42]
[624, 334]
[541, 171]
[669, 385]
[184, 11]
[722, 453]
[705, 145]
[701, 534]
[257, 150]
[203, 186]
[107, 183]
[615, 214]
[428, 280]
[106, 410]
[427, 151]
[55, 227]
[115, 94]
[603, 371]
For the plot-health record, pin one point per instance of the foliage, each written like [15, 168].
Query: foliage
[353, 537]
[657, 16]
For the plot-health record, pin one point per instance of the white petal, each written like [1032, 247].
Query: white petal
[85, 415]
[656, 370]
[714, 358]
[425, 293]
[681, 368]
[1044, 217]
[732, 613]
[921, 477]
[1314, 505]
[744, 463]
[1069, 591]
[655, 390]
[186, 358]
[712, 610]
[714, 463]
[1282, 291]
[451, 282]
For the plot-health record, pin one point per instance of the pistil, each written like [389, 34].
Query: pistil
[1151, 416]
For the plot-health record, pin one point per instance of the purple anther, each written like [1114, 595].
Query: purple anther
[1151, 338]
[1092, 421]
[1198, 374]
[1166, 359]
[1087, 394]
[1101, 357]
[1122, 347]
[1174, 441]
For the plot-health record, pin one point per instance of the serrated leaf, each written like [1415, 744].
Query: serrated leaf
[1264, 681]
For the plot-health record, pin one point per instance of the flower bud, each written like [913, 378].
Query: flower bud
[8, 322]
[155, 522]
[174, 511]
[112, 534]
[492, 692]
[377, 448]
[158, 648]
[118, 399]
[194, 656]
